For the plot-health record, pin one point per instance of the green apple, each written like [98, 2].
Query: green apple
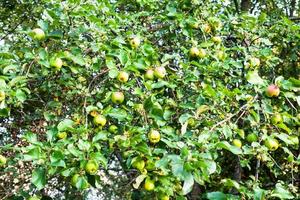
[160, 72]
[2, 96]
[272, 144]
[113, 129]
[99, 120]
[34, 198]
[91, 167]
[164, 197]
[237, 143]
[117, 97]
[123, 77]
[62, 135]
[252, 137]
[38, 34]
[149, 184]
[217, 39]
[135, 42]
[276, 119]
[154, 136]
[272, 91]
[3, 160]
[57, 63]
[254, 62]
[221, 55]
[149, 74]
[194, 52]
[74, 179]
[206, 28]
[139, 164]
[202, 53]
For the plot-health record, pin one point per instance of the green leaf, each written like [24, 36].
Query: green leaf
[227, 146]
[117, 113]
[21, 96]
[102, 135]
[216, 196]
[281, 192]
[39, 178]
[64, 125]
[253, 78]
[188, 183]
[57, 159]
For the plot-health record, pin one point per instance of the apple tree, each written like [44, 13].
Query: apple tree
[149, 99]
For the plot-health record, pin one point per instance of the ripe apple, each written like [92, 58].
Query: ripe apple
[237, 143]
[2, 96]
[117, 97]
[57, 63]
[135, 42]
[254, 62]
[38, 34]
[3, 160]
[276, 118]
[149, 184]
[252, 137]
[91, 167]
[206, 28]
[194, 52]
[160, 72]
[154, 136]
[139, 164]
[271, 144]
[272, 90]
[123, 77]
[113, 129]
[99, 120]
[217, 39]
[62, 135]
[149, 74]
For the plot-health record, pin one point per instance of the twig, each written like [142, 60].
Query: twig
[232, 115]
[257, 169]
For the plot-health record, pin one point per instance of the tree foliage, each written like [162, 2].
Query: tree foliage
[169, 99]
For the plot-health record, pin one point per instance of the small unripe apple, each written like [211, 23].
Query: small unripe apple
[74, 179]
[149, 184]
[34, 198]
[221, 55]
[272, 91]
[62, 135]
[113, 129]
[135, 42]
[139, 164]
[99, 120]
[164, 197]
[160, 72]
[194, 25]
[123, 76]
[154, 136]
[202, 53]
[117, 97]
[217, 39]
[276, 118]
[91, 167]
[271, 144]
[38, 34]
[57, 63]
[252, 137]
[206, 28]
[237, 143]
[254, 62]
[3, 160]
[149, 74]
[2, 96]
[194, 52]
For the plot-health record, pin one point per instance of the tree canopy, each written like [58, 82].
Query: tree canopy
[149, 99]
